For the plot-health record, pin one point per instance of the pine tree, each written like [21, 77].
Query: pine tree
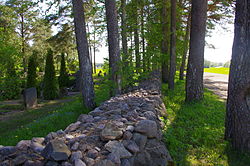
[63, 78]
[31, 77]
[50, 83]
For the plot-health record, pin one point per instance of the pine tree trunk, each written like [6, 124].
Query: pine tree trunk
[124, 29]
[114, 49]
[143, 40]
[94, 51]
[172, 69]
[83, 55]
[165, 43]
[185, 48]
[238, 102]
[194, 80]
[137, 40]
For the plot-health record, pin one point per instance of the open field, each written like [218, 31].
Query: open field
[218, 70]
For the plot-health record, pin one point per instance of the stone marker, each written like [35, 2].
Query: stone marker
[30, 97]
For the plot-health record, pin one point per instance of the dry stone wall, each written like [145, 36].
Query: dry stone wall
[123, 131]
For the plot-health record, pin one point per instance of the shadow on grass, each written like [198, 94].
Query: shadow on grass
[194, 132]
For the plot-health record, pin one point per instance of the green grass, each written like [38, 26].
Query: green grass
[194, 132]
[39, 122]
[218, 70]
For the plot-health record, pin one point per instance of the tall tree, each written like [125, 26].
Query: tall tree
[124, 29]
[63, 79]
[83, 55]
[113, 42]
[185, 48]
[165, 43]
[31, 75]
[238, 102]
[194, 81]
[172, 68]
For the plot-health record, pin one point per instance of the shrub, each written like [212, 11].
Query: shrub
[63, 79]
[31, 77]
[50, 89]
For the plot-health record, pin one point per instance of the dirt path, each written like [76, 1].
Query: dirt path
[217, 83]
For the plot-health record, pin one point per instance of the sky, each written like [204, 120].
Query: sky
[221, 39]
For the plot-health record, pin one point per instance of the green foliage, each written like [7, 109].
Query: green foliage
[31, 76]
[50, 90]
[194, 132]
[63, 79]
[10, 88]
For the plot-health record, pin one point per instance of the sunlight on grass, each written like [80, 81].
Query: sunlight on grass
[194, 132]
[218, 70]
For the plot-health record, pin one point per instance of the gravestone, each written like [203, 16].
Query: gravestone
[30, 97]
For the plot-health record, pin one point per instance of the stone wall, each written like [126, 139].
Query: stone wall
[123, 131]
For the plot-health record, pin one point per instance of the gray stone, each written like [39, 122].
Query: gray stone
[131, 146]
[33, 163]
[72, 127]
[75, 156]
[66, 164]
[5, 163]
[39, 140]
[130, 128]
[111, 132]
[89, 161]
[84, 118]
[117, 148]
[150, 115]
[105, 163]
[75, 146]
[51, 163]
[56, 150]
[96, 112]
[127, 135]
[60, 133]
[20, 160]
[147, 127]
[7, 150]
[143, 159]
[140, 140]
[23, 145]
[79, 162]
[92, 153]
[113, 112]
[30, 97]
[37, 147]
[125, 162]
[115, 158]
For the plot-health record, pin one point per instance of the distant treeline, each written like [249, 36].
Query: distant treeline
[208, 64]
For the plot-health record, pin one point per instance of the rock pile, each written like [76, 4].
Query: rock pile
[123, 131]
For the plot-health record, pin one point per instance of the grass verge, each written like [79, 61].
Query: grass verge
[194, 132]
[218, 70]
[39, 122]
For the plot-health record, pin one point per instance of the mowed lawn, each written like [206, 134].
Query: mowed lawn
[218, 70]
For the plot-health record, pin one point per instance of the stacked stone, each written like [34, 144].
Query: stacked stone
[123, 131]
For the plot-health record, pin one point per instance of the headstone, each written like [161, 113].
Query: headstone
[30, 97]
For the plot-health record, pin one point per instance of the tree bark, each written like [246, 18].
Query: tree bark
[137, 40]
[238, 102]
[94, 48]
[143, 40]
[83, 55]
[165, 43]
[114, 49]
[124, 30]
[172, 69]
[194, 80]
[185, 48]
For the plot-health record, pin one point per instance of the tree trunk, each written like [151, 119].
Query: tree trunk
[238, 102]
[165, 44]
[94, 51]
[185, 48]
[124, 30]
[114, 49]
[172, 68]
[137, 40]
[143, 40]
[83, 54]
[194, 80]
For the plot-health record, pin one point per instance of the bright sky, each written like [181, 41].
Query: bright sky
[223, 42]
[221, 39]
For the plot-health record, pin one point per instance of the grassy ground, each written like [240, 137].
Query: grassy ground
[39, 122]
[218, 70]
[194, 132]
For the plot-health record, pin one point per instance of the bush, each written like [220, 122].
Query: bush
[63, 79]
[10, 88]
[50, 89]
[31, 77]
